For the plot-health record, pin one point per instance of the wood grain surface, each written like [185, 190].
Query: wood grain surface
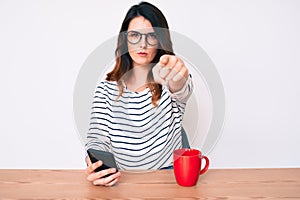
[215, 184]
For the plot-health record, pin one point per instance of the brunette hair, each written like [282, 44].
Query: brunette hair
[123, 59]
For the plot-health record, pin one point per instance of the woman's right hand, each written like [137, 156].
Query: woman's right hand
[97, 177]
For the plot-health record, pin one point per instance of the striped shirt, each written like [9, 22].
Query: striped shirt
[140, 135]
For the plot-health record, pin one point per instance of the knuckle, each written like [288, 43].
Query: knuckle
[178, 66]
[172, 59]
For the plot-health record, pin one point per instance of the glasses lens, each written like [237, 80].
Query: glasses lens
[133, 37]
[152, 38]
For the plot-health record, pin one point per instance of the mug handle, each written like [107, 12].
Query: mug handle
[202, 171]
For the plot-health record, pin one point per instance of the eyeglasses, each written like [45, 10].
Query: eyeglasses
[135, 37]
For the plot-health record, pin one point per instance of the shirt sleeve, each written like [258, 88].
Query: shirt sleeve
[185, 92]
[98, 134]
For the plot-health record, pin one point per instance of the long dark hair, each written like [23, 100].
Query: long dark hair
[123, 59]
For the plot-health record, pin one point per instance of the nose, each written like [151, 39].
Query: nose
[143, 42]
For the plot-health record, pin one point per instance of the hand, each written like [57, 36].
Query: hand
[171, 70]
[96, 177]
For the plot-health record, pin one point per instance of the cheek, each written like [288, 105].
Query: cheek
[153, 51]
[131, 47]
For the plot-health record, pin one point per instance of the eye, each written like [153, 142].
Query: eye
[133, 34]
[152, 36]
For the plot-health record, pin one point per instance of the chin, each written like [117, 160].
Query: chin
[140, 62]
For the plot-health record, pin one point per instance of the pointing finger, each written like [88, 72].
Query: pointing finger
[164, 59]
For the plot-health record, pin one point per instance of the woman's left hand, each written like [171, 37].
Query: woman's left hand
[170, 70]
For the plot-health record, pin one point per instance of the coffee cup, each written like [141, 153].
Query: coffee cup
[187, 166]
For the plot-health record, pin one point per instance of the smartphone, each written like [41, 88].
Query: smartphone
[106, 157]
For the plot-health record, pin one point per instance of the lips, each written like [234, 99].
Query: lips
[143, 54]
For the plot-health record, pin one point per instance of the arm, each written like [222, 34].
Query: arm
[97, 135]
[98, 138]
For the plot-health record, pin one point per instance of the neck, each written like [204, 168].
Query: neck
[138, 77]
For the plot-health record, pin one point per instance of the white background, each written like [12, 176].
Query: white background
[254, 45]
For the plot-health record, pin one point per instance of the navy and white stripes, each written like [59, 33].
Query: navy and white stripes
[140, 135]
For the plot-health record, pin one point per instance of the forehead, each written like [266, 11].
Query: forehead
[140, 24]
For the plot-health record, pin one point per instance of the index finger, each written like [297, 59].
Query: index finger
[94, 166]
[164, 59]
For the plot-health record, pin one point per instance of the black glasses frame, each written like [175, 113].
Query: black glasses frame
[140, 37]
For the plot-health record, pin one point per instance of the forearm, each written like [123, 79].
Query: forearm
[185, 91]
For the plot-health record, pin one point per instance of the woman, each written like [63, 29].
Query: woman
[138, 110]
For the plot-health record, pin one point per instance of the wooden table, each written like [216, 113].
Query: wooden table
[215, 184]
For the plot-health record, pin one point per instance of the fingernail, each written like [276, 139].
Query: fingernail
[100, 163]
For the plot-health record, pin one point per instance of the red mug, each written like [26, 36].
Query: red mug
[187, 166]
